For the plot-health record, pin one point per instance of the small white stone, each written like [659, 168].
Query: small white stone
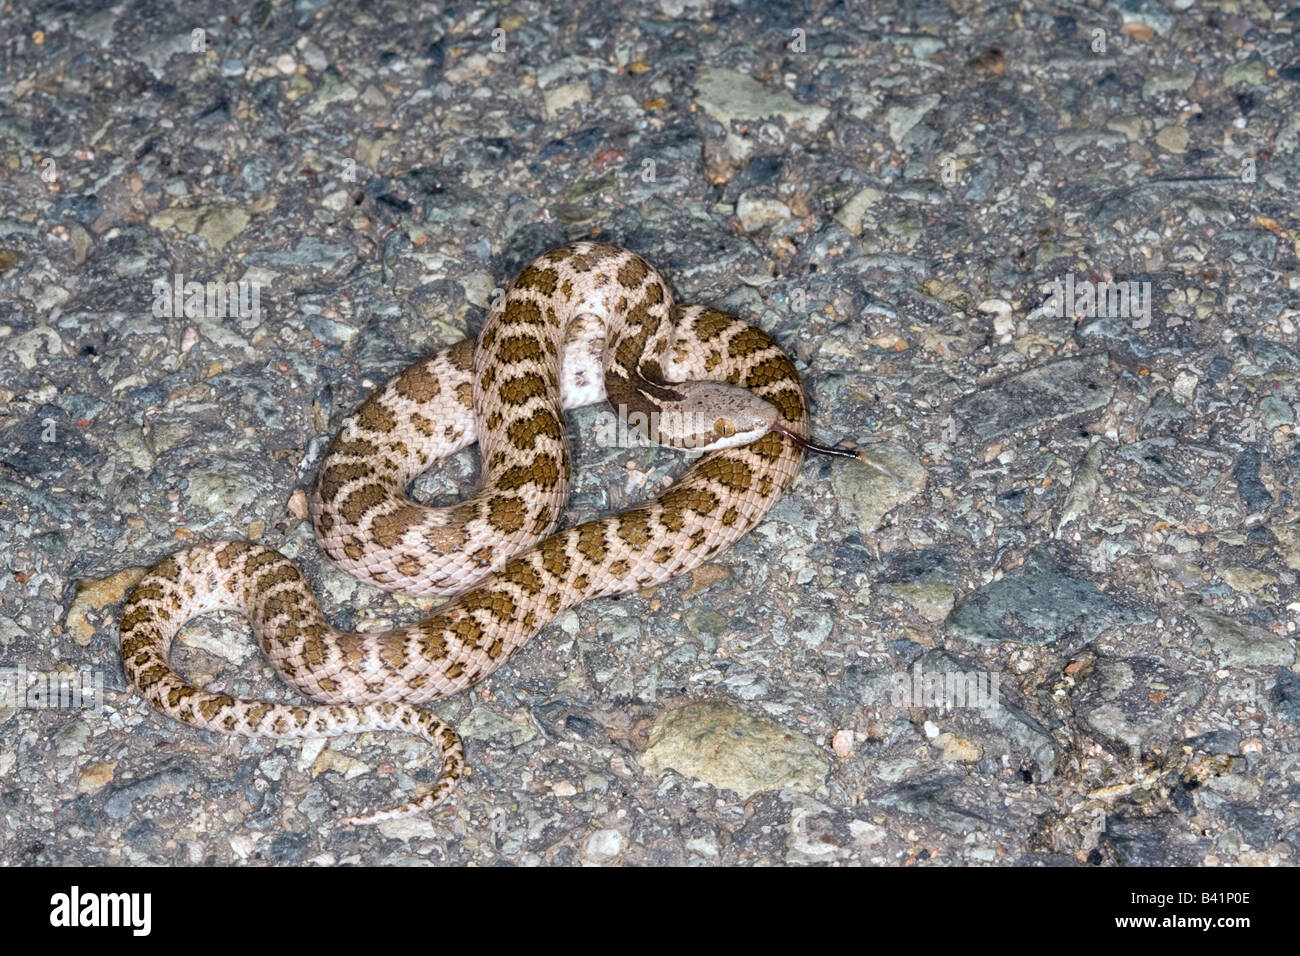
[1004, 320]
[336, 201]
[842, 744]
[755, 212]
[1185, 386]
[604, 844]
[703, 847]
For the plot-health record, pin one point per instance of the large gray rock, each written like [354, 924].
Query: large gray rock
[733, 749]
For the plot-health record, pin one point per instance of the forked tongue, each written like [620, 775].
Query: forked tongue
[809, 445]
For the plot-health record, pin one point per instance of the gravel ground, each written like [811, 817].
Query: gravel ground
[1084, 510]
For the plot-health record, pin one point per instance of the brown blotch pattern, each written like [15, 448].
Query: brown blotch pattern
[505, 514]
[591, 542]
[389, 529]
[711, 324]
[418, 384]
[522, 312]
[544, 472]
[766, 372]
[538, 280]
[334, 477]
[634, 528]
[522, 574]
[524, 432]
[632, 273]
[521, 388]
[731, 473]
[520, 348]
[355, 506]
[555, 555]
[461, 355]
[376, 417]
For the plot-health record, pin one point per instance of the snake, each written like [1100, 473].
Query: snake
[582, 323]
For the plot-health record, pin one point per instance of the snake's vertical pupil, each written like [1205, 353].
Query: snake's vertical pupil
[724, 428]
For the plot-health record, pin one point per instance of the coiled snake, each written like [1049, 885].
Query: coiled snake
[582, 322]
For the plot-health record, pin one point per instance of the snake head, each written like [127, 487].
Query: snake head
[713, 415]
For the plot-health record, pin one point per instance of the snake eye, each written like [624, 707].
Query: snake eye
[724, 428]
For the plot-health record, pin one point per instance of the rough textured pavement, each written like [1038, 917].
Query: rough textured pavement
[1042, 260]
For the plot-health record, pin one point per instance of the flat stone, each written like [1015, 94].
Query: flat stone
[932, 801]
[733, 749]
[755, 212]
[855, 215]
[867, 494]
[221, 224]
[1285, 695]
[1003, 727]
[1083, 487]
[1242, 645]
[728, 95]
[1040, 604]
[604, 845]
[1178, 81]
[900, 120]
[1074, 388]
[1275, 412]
[1253, 72]
[1134, 342]
[216, 224]
[1216, 742]
[1173, 139]
[222, 490]
[1162, 841]
[121, 801]
[558, 99]
[485, 724]
[1249, 487]
[930, 594]
[1149, 13]
[1288, 543]
[1245, 579]
[95, 595]
[309, 252]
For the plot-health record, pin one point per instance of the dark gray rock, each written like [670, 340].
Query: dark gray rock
[1004, 727]
[1069, 390]
[935, 802]
[121, 802]
[1249, 487]
[1285, 695]
[1040, 604]
[1131, 345]
[1216, 742]
[1259, 829]
[1163, 840]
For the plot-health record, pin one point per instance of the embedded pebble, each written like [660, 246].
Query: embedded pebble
[732, 749]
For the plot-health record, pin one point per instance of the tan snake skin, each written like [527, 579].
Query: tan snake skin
[582, 322]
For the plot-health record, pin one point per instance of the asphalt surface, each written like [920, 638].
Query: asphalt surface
[1042, 261]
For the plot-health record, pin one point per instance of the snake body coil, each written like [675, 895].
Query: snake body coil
[581, 323]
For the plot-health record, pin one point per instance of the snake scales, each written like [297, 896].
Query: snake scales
[581, 323]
